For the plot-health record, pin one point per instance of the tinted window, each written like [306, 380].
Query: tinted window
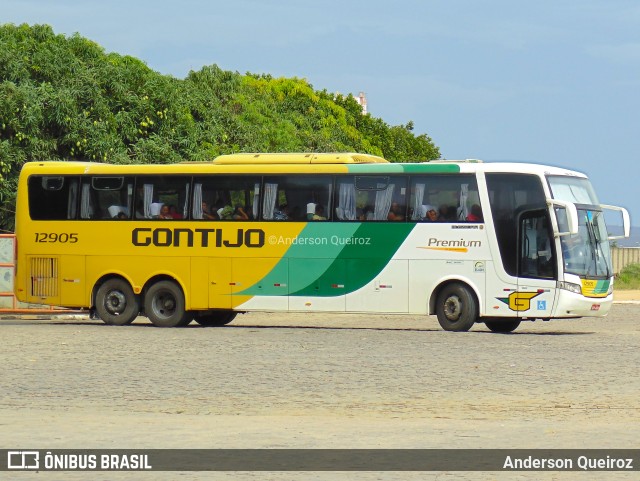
[53, 197]
[509, 195]
[371, 198]
[536, 247]
[445, 198]
[106, 197]
[161, 197]
[226, 198]
[297, 198]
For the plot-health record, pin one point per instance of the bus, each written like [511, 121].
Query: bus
[468, 241]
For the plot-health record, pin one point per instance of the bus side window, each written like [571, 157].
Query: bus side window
[234, 198]
[346, 200]
[372, 198]
[53, 197]
[445, 198]
[105, 197]
[297, 198]
[154, 196]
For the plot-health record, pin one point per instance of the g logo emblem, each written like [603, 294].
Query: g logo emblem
[519, 301]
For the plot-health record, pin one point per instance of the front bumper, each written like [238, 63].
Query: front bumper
[570, 304]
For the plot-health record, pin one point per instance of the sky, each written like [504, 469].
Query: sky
[551, 82]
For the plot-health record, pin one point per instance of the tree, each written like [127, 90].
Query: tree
[65, 98]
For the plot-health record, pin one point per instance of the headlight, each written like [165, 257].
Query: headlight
[569, 286]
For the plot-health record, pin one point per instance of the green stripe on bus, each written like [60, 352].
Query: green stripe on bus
[333, 259]
[426, 168]
[314, 243]
[358, 263]
[430, 168]
[601, 287]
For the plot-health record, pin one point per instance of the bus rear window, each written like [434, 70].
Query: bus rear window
[53, 197]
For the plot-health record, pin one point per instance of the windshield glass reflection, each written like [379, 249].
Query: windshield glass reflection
[586, 253]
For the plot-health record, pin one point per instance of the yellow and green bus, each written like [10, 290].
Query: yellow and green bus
[468, 241]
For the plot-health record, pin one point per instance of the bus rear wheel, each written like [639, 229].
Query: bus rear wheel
[164, 305]
[502, 326]
[116, 304]
[215, 318]
[456, 308]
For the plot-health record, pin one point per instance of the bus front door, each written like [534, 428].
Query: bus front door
[536, 291]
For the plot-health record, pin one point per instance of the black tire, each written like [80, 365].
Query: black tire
[116, 304]
[456, 308]
[215, 318]
[502, 326]
[164, 305]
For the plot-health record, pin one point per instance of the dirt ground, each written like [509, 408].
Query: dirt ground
[285, 380]
[626, 295]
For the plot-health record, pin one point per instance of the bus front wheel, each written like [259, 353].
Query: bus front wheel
[215, 318]
[116, 304]
[456, 308]
[502, 326]
[164, 305]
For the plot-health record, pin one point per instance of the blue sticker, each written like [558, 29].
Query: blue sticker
[542, 305]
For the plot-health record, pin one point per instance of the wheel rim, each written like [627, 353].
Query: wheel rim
[452, 308]
[115, 303]
[164, 304]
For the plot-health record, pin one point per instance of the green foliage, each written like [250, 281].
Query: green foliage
[64, 98]
[628, 278]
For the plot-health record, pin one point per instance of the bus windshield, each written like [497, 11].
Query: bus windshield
[587, 253]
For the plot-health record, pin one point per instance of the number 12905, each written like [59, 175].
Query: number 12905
[63, 238]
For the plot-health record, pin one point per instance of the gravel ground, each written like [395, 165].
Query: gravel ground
[317, 381]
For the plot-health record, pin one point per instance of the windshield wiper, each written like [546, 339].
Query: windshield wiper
[596, 244]
[600, 250]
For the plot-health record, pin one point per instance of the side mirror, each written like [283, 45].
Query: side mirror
[571, 219]
[626, 221]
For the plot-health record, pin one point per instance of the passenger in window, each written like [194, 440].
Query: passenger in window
[154, 209]
[239, 213]
[366, 214]
[121, 215]
[396, 212]
[225, 212]
[319, 215]
[206, 212]
[174, 212]
[475, 215]
[446, 213]
[431, 214]
[164, 213]
[281, 213]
